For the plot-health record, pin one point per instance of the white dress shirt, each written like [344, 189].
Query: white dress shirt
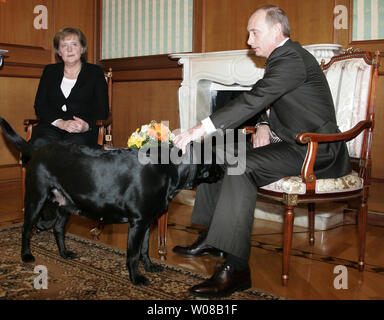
[66, 87]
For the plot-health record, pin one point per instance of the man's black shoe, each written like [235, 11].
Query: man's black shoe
[223, 283]
[198, 248]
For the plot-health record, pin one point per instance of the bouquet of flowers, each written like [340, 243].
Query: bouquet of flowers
[152, 134]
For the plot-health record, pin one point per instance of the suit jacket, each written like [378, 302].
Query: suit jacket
[88, 99]
[297, 92]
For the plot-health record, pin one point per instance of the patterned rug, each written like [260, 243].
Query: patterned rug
[99, 273]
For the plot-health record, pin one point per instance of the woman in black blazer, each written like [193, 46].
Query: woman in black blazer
[72, 94]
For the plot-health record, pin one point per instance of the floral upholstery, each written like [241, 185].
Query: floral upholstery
[349, 81]
[294, 185]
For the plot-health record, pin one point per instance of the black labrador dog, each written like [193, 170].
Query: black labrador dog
[109, 186]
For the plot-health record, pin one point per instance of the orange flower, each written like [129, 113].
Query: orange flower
[152, 134]
[159, 131]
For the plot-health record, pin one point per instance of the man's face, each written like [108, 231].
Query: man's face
[262, 36]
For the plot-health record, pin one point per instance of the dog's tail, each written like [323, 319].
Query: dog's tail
[23, 146]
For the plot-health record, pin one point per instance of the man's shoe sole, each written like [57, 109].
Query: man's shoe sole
[224, 294]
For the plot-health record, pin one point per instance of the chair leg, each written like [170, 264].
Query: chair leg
[311, 222]
[288, 232]
[23, 171]
[362, 224]
[162, 235]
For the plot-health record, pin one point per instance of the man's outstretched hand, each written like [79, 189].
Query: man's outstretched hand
[194, 134]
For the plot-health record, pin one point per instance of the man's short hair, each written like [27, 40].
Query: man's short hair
[276, 15]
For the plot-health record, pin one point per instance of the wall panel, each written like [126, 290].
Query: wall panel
[17, 97]
[77, 14]
[29, 48]
[138, 102]
[378, 133]
[16, 23]
[226, 21]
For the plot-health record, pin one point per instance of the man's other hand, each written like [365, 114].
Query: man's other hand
[261, 137]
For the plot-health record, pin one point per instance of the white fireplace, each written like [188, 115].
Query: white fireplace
[204, 74]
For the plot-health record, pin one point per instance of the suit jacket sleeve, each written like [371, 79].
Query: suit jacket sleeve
[284, 72]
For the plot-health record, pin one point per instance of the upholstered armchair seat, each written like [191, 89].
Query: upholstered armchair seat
[295, 185]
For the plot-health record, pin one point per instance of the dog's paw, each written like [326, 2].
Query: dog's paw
[68, 255]
[27, 257]
[153, 267]
[140, 280]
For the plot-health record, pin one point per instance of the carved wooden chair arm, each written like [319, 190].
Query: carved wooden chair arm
[104, 123]
[99, 123]
[312, 139]
[28, 122]
[307, 137]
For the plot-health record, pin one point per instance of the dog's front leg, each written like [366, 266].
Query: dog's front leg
[149, 266]
[135, 242]
[58, 231]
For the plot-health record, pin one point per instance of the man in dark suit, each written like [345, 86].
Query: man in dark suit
[296, 92]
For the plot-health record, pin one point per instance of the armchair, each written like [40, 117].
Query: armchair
[352, 77]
